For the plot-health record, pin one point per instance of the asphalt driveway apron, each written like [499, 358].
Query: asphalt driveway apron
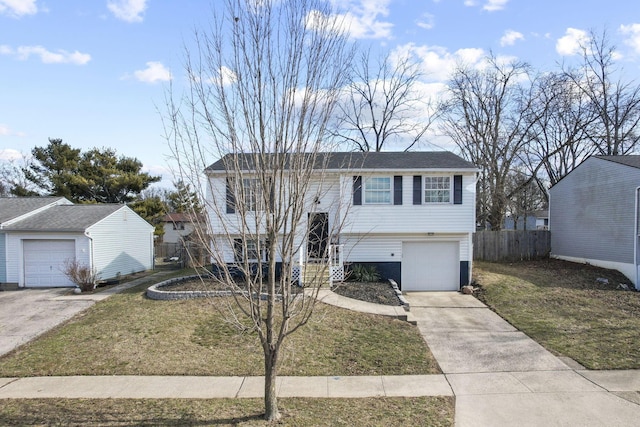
[28, 313]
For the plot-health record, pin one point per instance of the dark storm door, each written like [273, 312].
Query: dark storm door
[318, 235]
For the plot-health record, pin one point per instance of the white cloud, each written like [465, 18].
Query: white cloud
[489, 5]
[632, 32]
[18, 8]
[361, 18]
[510, 38]
[46, 56]
[128, 10]
[154, 73]
[493, 5]
[426, 21]
[437, 62]
[571, 42]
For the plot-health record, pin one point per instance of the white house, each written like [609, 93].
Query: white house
[177, 226]
[410, 214]
[594, 214]
[38, 235]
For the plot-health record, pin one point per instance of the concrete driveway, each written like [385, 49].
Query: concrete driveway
[28, 313]
[501, 377]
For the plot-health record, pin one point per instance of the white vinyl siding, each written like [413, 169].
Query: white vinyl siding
[122, 243]
[410, 218]
[388, 248]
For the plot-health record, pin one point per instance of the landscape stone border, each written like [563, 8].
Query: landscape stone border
[401, 298]
[155, 292]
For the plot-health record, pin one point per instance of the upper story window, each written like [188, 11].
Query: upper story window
[377, 190]
[437, 189]
[178, 225]
[250, 193]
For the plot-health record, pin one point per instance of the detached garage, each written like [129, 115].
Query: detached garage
[109, 238]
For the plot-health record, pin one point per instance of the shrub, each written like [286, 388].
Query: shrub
[364, 273]
[83, 276]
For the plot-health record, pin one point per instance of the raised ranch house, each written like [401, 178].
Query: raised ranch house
[38, 235]
[409, 214]
[594, 214]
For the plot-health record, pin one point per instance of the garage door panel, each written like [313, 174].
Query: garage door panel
[44, 262]
[430, 266]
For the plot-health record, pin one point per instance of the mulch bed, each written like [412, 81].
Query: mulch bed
[375, 292]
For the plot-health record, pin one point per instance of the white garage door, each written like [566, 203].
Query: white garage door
[430, 266]
[44, 262]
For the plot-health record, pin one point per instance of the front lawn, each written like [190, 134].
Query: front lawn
[565, 308]
[128, 334]
[419, 411]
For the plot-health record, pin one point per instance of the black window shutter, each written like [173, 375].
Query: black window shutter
[417, 190]
[397, 190]
[231, 198]
[238, 250]
[457, 189]
[357, 190]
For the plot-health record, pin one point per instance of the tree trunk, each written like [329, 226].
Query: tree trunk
[270, 374]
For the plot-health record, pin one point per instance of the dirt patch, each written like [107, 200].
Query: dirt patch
[375, 292]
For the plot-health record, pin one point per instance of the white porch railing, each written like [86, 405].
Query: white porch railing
[335, 259]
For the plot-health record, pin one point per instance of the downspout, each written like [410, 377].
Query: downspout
[635, 237]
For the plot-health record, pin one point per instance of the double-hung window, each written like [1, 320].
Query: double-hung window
[437, 189]
[248, 250]
[377, 190]
[250, 193]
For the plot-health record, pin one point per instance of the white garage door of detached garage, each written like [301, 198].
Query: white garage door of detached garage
[44, 262]
[430, 266]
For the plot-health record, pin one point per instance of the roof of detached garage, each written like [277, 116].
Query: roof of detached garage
[407, 160]
[75, 218]
[14, 207]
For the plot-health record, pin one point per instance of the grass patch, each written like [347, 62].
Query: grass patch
[431, 411]
[128, 334]
[563, 307]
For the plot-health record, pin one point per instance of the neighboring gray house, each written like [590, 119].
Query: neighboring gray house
[39, 234]
[594, 214]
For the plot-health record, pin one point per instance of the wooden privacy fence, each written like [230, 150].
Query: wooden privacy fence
[511, 245]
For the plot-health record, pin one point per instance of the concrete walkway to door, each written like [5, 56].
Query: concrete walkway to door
[501, 377]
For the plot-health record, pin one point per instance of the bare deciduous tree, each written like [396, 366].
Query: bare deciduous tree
[383, 105]
[560, 134]
[615, 102]
[263, 83]
[489, 115]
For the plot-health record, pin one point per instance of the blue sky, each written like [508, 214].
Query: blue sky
[95, 72]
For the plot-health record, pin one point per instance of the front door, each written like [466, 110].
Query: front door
[318, 235]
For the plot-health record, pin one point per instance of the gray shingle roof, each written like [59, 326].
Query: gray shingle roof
[76, 218]
[14, 207]
[628, 160]
[412, 160]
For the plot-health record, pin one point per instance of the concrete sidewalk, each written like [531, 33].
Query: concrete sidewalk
[159, 387]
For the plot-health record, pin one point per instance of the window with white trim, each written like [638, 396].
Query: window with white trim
[437, 189]
[377, 190]
[252, 248]
[250, 193]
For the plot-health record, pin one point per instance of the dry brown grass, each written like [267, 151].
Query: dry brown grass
[129, 334]
[562, 306]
